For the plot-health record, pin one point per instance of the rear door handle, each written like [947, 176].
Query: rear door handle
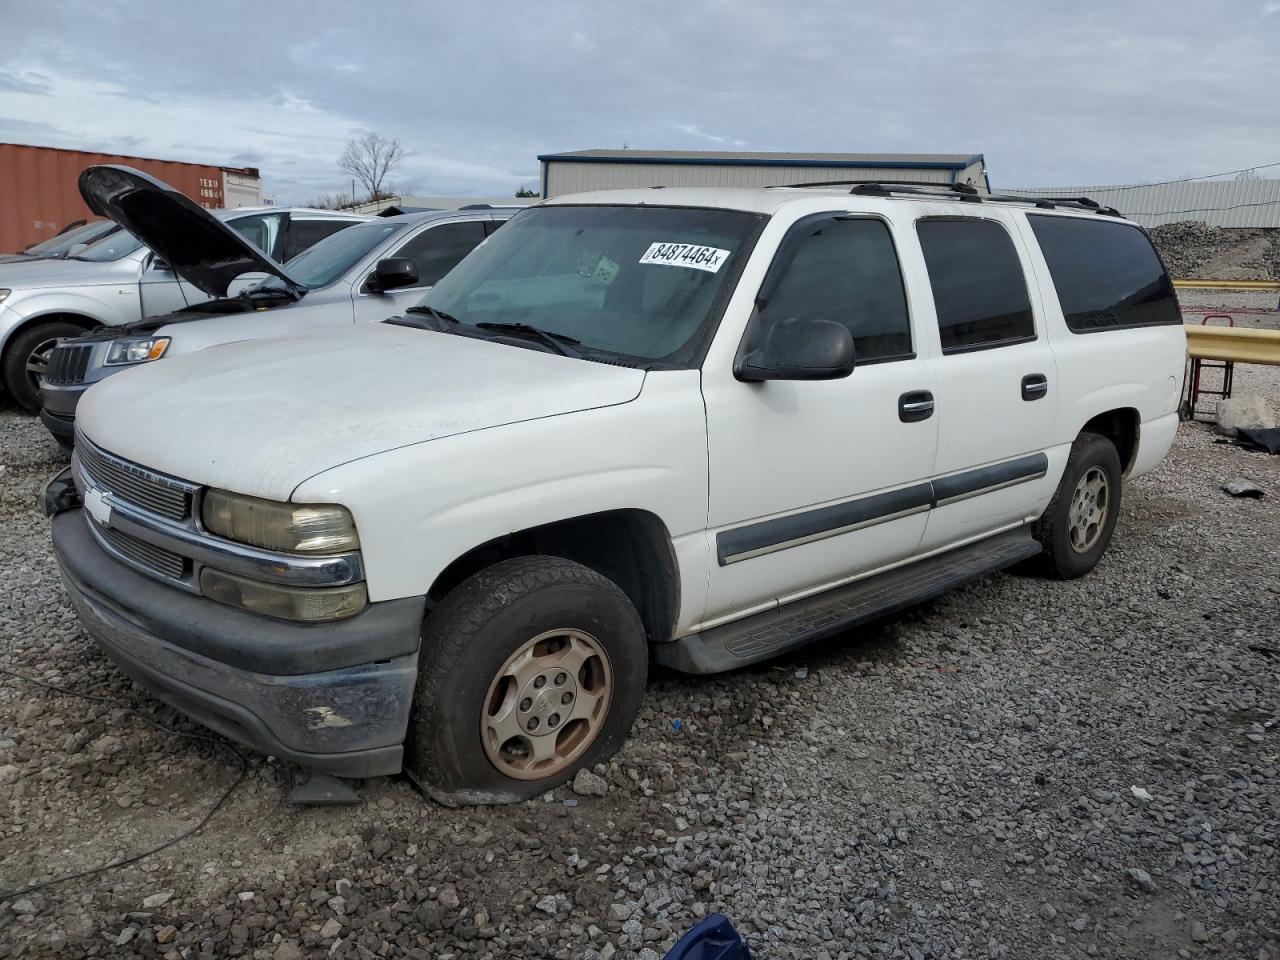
[915, 406]
[1034, 386]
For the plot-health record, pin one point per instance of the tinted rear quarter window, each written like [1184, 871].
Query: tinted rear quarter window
[979, 291]
[1107, 275]
[304, 234]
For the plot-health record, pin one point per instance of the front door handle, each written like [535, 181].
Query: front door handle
[915, 406]
[1034, 386]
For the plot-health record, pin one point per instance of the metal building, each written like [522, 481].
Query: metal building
[1219, 203]
[584, 170]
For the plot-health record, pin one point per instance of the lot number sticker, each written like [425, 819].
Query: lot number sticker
[709, 259]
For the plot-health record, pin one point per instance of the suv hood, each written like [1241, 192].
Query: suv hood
[33, 273]
[200, 248]
[260, 417]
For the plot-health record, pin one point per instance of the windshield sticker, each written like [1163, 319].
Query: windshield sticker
[710, 259]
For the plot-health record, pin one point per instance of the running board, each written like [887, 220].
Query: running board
[766, 635]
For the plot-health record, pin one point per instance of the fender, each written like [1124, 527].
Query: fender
[111, 304]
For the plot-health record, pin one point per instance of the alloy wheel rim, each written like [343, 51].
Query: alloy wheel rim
[546, 704]
[1090, 504]
[38, 361]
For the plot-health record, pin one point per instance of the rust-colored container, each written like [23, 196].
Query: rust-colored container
[39, 197]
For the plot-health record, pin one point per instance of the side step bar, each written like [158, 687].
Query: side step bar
[773, 632]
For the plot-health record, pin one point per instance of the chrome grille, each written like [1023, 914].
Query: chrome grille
[144, 488]
[163, 562]
[68, 363]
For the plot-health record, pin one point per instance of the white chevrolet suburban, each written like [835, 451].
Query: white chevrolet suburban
[693, 426]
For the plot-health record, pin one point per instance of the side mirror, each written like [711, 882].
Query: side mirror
[158, 263]
[391, 273]
[800, 350]
[243, 281]
[76, 248]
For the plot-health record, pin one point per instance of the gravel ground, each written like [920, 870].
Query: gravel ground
[1020, 769]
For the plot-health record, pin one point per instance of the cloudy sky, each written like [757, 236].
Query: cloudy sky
[1088, 91]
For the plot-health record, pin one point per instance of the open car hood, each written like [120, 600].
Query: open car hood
[200, 248]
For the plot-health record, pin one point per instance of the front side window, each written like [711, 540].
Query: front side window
[642, 284]
[261, 231]
[979, 291]
[847, 271]
[438, 250]
[1107, 274]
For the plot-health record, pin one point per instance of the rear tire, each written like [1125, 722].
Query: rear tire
[530, 671]
[28, 356]
[1077, 526]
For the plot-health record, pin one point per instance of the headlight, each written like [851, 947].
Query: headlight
[137, 350]
[4, 293]
[310, 604]
[294, 527]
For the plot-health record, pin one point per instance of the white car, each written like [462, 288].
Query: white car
[695, 426]
[118, 280]
[375, 269]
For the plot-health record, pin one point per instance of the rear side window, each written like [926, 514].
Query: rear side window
[979, 291]
[438, 250]
[846, 271]
[1107, 275]
[304, 234]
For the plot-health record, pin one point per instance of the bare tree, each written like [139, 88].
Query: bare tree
[523, 191]
[329, 201]
[1248, 175]
[370, 159]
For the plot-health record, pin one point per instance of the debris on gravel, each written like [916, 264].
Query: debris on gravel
[1020, 769]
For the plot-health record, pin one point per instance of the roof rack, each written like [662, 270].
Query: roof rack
[956, 191]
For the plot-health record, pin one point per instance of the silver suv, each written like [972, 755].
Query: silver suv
[366, 273]
[119, 280]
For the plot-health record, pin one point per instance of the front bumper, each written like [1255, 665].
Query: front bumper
[331, 697]
[58, 404]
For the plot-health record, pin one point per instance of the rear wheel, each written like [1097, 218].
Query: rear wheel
[27, 359]
[531, 670]
[1077, 526]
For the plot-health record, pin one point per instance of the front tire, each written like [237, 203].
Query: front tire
[27, 357]
[530, 670]
[1077, 526]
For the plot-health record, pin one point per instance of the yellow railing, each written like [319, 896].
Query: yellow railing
[1228, 284]
[1240, 344]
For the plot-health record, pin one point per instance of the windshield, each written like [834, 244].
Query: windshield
[333, 256]
[85, 233]
[112, 247]
[637, 282]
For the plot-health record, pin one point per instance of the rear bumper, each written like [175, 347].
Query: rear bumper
[338, 704]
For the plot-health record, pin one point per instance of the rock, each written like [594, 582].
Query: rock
[165, 934]
[127, 934]
[1047, 911]
[10, 773]
[1198, 933]
[1248, 413]
[332, 927]
[553, 903]
[1140, 794]
[23, 906]
[1141, 879]
[157, 899]
[588, 784]
[104, 746]
[620, 912]
[448, 897]
[288, 950]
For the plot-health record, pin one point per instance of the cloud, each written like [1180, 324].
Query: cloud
[1089, 92]
[693, 130]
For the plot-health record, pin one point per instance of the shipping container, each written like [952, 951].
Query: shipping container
[39, 197]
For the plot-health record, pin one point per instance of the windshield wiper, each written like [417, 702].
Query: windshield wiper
[429, 318]
[433, 312]
[558, 342]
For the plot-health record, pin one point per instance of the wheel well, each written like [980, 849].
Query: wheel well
[630, 547]
[79, 319]
[1121, 428]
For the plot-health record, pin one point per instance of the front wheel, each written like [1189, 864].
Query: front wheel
[530, 670]
[27, 358]
[1077, 526]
